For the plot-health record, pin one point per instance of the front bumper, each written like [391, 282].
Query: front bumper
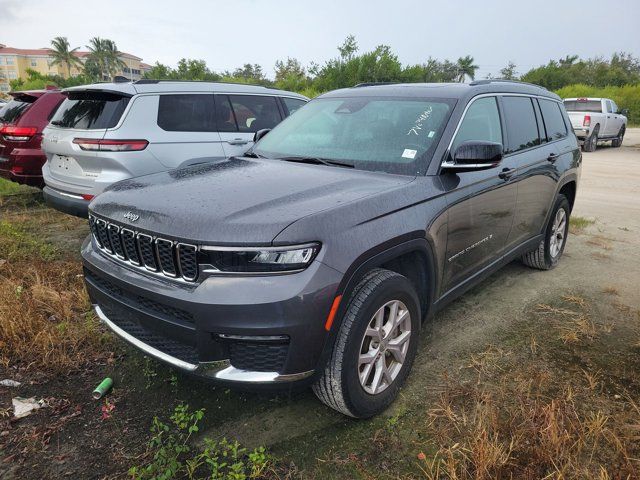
[239, 330]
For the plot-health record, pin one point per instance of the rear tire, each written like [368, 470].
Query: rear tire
[591, 142]
[547, 255]
[617, 142]
[369, 363]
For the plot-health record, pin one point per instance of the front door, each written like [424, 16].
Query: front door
[481, 204]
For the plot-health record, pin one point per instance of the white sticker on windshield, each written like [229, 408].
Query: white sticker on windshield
[431, 134]
[409, 153]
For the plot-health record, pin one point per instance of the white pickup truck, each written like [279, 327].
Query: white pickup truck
[596, 120]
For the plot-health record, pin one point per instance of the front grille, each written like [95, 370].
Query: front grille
[166, 257]
[258, 357]
[144, 304]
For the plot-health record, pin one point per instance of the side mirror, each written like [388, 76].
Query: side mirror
[624, 111]
[260, 133]
[475, 155]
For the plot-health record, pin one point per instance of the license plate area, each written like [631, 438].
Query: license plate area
[67, 166]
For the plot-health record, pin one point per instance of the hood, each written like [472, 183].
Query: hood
[240, 201]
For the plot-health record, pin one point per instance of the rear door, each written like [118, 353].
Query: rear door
[240, 116]
[85, 114]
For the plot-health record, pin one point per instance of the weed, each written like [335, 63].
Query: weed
[17, 243]
[611, 291]
[149, 372]
[578, 224]
[173, 457]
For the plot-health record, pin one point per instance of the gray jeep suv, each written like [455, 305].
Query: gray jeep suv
[316, 256]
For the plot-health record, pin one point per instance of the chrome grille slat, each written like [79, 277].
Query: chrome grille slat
[161, 256]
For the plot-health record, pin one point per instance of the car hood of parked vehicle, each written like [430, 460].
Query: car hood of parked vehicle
[240, 201]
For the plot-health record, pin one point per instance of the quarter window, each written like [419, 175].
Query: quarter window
[186, 113]
[553, 120]
[292, 104]
[481, 123]
[522, 127]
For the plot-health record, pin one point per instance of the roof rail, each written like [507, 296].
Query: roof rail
[372, 84]
[150, 81]
[503, 80]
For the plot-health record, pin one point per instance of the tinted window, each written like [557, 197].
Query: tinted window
[253, 112]
[395, 135]
[10, 112]
[594, 106]
[226, 121]
[292, 104]
[90, 110]
[481, 122]
[521, 123]
[553, 120]
[186, 113]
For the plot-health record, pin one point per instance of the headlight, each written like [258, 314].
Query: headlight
[260, 259]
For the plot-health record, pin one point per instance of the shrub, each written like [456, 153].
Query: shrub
[627, 96]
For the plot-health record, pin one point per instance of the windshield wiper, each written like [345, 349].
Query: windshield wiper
[317, 161]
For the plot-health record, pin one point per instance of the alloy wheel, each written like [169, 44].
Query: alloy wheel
[384, 347]
[558, 233]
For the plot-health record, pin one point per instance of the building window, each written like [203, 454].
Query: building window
[34, 62]
[13, 74]
[4, 87]
[10, 60]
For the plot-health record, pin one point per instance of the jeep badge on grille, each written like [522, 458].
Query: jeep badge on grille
[131, 216]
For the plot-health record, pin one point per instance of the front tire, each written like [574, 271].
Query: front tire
[374, 348]
[547, 255]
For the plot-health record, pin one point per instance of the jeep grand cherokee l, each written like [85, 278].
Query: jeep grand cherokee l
[22, 121]
[109, 132]
[316, 256]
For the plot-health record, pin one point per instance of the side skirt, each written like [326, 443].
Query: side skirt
[487, 271]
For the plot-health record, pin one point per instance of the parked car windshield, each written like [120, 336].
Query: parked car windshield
[389, 134]
[594, 106]
[10, 112]
[90, 110]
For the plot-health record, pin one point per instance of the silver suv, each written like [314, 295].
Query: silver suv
[109, 132]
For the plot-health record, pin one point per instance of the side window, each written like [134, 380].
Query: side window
[553, 120]
[521, 123]
[254, 112]
[186, 113]
[225, 119]
[614, 107]
[292, 104]
[609, 108]
[481, 122]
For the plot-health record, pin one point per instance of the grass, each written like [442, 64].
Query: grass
[578, 224]
[535, 421]
[45, 315]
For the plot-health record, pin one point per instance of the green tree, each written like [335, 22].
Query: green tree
[63, 55]
[466, 68]
[509, 72]
[104, 57]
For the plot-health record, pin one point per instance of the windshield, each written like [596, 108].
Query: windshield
[594, 106]
[393, 135]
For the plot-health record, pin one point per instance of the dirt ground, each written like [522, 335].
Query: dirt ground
[601, 263]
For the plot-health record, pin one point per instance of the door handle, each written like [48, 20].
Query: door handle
[552, 157]
[238, 141]
[506, 173]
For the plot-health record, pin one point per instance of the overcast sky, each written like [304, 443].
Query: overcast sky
[228, 33]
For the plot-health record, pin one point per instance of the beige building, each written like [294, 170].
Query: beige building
[14, 63]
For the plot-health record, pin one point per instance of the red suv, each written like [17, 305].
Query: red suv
[21, 123]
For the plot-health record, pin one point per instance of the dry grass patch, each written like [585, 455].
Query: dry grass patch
[600, 242]
[527, 415]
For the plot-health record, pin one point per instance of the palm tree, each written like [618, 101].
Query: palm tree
[104, 55]
[466, 68]
[62, 55]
